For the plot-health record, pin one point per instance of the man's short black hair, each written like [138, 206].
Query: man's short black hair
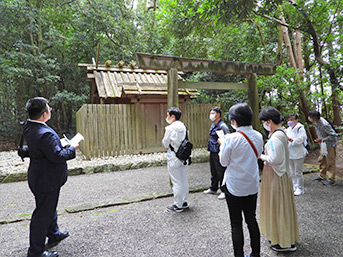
[293, 116]
[217, 110]
[241, 113]
[36, 107]
[314, 114]
[174, 111]
[270, 113]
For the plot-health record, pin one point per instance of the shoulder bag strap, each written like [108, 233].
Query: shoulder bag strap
[252, 145]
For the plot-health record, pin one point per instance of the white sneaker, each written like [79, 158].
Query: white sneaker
[298, 192]
[209, 191]
[221, 196]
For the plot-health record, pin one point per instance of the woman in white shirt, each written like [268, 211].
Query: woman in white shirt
[241, 178]
[297, 139]
[278, 217]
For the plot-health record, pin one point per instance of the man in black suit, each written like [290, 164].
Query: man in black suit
[47, 173]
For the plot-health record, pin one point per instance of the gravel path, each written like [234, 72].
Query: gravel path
[11, 163]
[146, 229]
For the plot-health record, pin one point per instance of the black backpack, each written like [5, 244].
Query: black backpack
[185, 150]
[23, 150]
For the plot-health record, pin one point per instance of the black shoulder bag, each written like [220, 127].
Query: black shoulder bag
[185, 150]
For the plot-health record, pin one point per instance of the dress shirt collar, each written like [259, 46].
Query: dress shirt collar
[37, 121]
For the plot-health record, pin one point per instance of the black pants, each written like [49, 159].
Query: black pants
[247, 205]
[217, 171]
[43, 222]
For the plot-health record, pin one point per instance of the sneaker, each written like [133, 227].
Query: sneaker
[185, 205]
[209, 191]
[329, 183]
[174, 208]
[298, 192]
[221, 196]
[318, 179]
[278, 248]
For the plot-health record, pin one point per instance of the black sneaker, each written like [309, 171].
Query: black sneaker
[185, 205]
[278, 248]
[174, 208]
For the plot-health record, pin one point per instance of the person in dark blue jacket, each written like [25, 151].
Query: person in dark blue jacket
[47, 173]
[217, 171]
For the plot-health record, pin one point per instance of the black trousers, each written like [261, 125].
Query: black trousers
[217, 171]
[247, 205]
[43, 222]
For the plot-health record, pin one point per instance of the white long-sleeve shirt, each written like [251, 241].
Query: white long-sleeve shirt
[241, 175]
[276, 153]
[174, 134]
[297, 148]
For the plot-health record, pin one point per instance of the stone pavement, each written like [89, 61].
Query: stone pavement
[135, 222]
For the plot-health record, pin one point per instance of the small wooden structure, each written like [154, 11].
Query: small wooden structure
[128, 109]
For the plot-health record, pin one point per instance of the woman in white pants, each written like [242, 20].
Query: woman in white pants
[297, 140]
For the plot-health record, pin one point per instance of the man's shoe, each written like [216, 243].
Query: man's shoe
[185, 205]
[49, 254]
[209, 191]
[278, 248]
[298, 192]
[221, 196]
[174, 208]
[318, 179]
[329, 183]
[57, 240]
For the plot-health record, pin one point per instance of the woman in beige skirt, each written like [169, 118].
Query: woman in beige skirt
[278, 217]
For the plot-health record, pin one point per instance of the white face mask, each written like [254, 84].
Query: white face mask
[310, 119]
[266, 126]
[167, 121]
[234, 126]
[291, 123]
[212, 117]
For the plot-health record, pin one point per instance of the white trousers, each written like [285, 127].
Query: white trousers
[179, 180]
[296, 170]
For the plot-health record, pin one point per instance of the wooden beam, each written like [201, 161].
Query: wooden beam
[213, 85]
[173, 97]
[159, 62]
[253, 99]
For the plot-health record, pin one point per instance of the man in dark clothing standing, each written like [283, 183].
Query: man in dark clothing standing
[217, 171]
[47, 173]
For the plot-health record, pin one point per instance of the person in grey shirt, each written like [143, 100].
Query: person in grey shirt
[327, 137]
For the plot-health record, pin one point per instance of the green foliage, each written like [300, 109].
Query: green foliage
[43, 41]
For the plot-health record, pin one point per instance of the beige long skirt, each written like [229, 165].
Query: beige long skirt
[278, 215]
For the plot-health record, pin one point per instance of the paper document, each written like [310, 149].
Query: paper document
[220, 133]
[72, 142]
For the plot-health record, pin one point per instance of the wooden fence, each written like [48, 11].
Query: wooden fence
[119, 129]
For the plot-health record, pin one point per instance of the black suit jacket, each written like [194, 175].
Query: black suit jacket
[48, 161]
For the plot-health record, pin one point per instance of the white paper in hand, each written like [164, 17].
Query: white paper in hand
[76, 139]
[220, 133]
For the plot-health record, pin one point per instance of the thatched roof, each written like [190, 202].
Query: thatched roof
[112, 82]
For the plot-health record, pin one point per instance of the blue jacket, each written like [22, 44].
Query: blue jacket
[48, 161]
[213, 145]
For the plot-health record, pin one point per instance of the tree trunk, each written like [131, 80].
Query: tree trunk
[296, 59]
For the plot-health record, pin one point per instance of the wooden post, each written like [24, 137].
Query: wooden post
[253, 99]
[173, 88]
